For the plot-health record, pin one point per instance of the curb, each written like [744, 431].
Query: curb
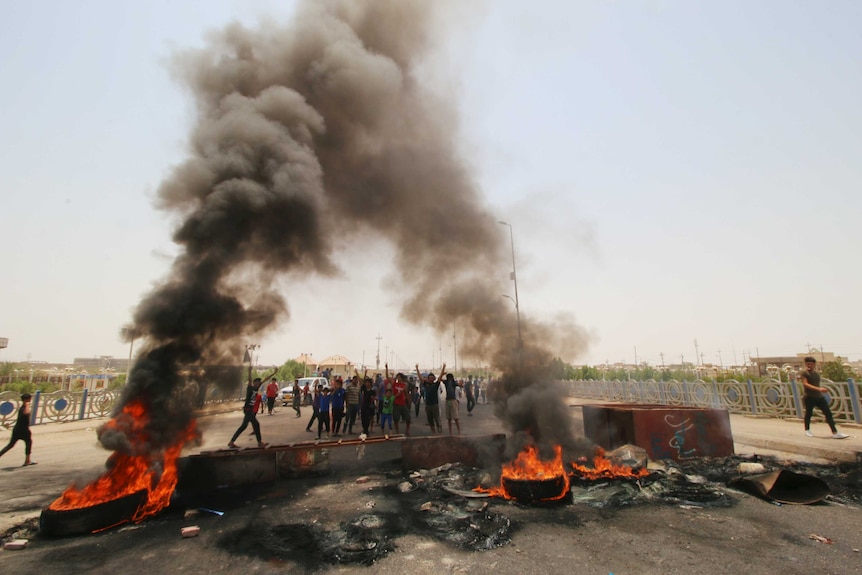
[809, 450]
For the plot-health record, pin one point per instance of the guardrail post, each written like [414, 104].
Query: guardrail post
[34, 409]
[83, 404]
[716, 403]
[854, 400]
[796, 400]
[685, 398]
[751, 397]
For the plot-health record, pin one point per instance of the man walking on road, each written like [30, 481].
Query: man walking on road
[271, 392]
[22, 430]
[297, 397]
[814, 398]
[249, 409]
[470, 391]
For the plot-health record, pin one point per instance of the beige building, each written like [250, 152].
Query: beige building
[338, 365]
[766, 366]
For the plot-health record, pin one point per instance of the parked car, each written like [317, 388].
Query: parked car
[285, 395]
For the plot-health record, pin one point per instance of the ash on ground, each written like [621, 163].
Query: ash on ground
[316, 522]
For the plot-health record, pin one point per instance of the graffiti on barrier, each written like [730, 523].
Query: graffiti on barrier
[677, 440]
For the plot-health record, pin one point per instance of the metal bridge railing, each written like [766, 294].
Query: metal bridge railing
[63, 406]
[769, 397]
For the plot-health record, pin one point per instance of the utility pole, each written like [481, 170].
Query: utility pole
[378, 351]
[514, 276]
[661, 355]
[720, 362]
[636, 357]
[454, 351]
[441, 353]
[249, 357]
[697, 352]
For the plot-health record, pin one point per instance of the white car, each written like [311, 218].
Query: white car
[285, 395]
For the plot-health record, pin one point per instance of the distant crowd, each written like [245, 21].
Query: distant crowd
[383, 402]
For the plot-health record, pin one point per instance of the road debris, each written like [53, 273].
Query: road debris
[192, 531]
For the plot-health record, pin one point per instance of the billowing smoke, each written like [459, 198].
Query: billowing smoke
[325, 121]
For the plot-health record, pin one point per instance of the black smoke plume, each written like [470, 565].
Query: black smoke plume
[324, 120]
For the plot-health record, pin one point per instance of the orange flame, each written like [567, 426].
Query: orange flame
[604, 468]
[130, 474]
[528, 466]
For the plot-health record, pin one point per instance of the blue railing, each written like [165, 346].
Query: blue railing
[58, 406]
[62, 406]
[769, 397]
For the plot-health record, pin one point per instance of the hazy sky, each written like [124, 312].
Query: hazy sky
[672, 171]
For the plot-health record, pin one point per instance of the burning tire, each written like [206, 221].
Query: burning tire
[83, 520]
[530, 491]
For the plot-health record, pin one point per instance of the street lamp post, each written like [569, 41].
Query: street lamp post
[131, 333]
[515, 280]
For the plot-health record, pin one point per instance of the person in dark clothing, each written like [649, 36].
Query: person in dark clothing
[814, 398]
[21, 431]
[470, 392]
[416, 393]
[367, 404]
[249, 408]
[338, 397]
[315, 408]
[431, 388]
[323, 413]
[297, 398]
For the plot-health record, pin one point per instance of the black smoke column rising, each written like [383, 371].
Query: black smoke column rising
[322, 119]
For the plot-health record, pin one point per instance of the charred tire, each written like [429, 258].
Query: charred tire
[83, 520]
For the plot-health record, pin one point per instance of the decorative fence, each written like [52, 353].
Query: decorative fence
[62, 406]
[58, 406]
[769, 397]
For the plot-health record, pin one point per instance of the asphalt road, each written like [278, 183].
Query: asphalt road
[280, 527]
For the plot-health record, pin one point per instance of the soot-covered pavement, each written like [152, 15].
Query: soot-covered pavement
[361, 512]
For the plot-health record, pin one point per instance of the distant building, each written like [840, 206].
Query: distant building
[792, 363]
[102, 362]
[337, 365]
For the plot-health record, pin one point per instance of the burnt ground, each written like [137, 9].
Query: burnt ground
[681, 519]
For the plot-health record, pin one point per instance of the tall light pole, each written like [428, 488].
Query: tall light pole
[515, 280]
[377, 363]
[130, 333]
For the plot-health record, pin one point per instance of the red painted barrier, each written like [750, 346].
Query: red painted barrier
[665, 432]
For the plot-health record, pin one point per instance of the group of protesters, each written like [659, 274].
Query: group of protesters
[367, 403]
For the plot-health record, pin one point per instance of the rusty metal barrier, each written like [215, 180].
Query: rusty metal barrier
[664, 431]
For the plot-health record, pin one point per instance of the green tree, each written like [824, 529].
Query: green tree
[558, 368]
[290, 370]
[836, 371]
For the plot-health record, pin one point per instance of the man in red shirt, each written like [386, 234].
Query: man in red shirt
[400, 402]
[271, 393]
